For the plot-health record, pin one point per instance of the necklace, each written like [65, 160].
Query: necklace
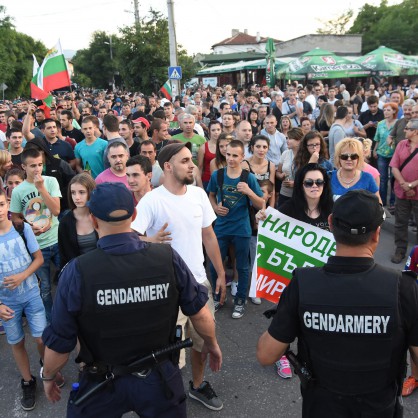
[347, 183]
[310, 212]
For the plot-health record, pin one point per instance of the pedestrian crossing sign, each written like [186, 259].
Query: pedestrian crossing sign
[174, 73]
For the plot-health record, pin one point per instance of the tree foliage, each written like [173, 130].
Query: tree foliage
[140, 56]
[16, 60]
[392, 26]
[94, 65]
[337, 26]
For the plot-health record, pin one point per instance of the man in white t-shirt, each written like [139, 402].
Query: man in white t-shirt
[189, 215]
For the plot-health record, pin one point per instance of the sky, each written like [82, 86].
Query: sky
[199, 23]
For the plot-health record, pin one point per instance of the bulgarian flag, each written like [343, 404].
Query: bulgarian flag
[51, 75]
[166, 90]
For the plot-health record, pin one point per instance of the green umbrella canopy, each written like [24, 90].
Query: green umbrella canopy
[385, 61]
[270, 63]
[322, 64]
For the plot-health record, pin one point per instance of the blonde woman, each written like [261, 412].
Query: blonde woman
[349, 161]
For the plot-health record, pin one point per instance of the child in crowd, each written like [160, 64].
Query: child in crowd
[19, 293]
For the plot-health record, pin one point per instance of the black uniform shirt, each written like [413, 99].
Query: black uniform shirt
[61, 334]
[285, 326]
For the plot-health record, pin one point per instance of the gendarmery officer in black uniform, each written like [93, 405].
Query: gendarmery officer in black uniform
[354, 321]
[121, 301]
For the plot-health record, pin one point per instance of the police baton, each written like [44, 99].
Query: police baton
[154, 357]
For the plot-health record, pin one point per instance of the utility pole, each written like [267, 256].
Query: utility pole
[111, 59]
[175, 84]
[136, 11]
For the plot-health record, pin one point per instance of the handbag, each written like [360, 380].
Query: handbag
[412, 155]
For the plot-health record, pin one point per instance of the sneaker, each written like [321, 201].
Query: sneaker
[28, 400]
[409, 385]
[238, 311]
[397, 257]
[256, 301]
[206, 395]
[2, 331]
[283, 368]
[218, 305]
[234, 288]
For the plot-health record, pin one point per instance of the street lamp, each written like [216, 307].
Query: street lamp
[111, 58]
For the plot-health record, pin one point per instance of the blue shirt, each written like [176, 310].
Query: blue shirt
[237, 221]
[366, 182]
[61, 334]
[14, 259]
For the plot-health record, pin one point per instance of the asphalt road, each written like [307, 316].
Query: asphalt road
[247, 389]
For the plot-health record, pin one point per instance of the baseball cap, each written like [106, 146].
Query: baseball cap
[358, 212]
[110, 197]
[170, 150]
[143, 120]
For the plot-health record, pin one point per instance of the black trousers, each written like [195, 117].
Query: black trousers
[318, 402]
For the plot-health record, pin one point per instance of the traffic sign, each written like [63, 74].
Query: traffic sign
[174, 73]
[3, 86]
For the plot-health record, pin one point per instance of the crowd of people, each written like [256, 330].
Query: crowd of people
[198, 169]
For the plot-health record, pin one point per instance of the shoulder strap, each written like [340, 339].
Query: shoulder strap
[220, 180]
[20, 229]
[245, 174]
[412, 155]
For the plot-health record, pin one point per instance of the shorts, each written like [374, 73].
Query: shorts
[188, 329]
[35, 315]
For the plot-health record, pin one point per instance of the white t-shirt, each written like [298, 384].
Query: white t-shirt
[185, 214]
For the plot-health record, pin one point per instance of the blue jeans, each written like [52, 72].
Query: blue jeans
[50, 253]
[35, 314]
[242, 253]
[384, 171]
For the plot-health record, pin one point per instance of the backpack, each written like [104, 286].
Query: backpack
[244, 178]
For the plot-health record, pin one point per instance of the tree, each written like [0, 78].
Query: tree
[392, 26]
[94, 64]
[140, 56]
[337, 26]
[16, 60]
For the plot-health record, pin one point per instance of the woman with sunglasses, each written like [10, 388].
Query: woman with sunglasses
[349, 160]
[311, 203]
[312, 198]
[207, 151]
[313, 149]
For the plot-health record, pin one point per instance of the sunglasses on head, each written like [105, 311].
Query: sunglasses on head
[310, 183]
[345, 157]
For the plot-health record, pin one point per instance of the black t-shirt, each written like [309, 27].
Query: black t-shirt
[17, 160]
[290, 208]
[322, 126]
[278, 113]
[74, 133]
[366, 117]
[134, 148]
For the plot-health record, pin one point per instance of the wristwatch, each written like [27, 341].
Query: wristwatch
[45, 379]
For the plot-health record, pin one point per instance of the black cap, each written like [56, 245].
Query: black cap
[358, 212]
[170, 150]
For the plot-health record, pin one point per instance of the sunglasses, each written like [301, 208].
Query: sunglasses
[345, 157]
[409, 129]
[309, 183]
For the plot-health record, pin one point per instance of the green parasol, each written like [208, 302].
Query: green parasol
[270, 61]
[321, 64]
[385, 61]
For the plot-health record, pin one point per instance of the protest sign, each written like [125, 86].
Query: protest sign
[284, 244]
